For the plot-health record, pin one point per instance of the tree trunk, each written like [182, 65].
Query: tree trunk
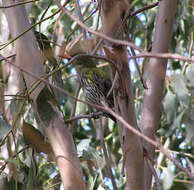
[28, 58]
[156, 76]
[112, 14]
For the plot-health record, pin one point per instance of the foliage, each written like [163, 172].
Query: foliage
[176, 128]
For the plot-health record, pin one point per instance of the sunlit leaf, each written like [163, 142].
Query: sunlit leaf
[190, 74]
[179, 86]
[4, 128]
[170, 106]
[83, 145]
[190, 133]
[176, 124]
[168, 178]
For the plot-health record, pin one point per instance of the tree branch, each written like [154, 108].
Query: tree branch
[106, 156]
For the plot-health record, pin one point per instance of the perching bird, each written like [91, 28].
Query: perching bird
[48, 55]
[94, 81]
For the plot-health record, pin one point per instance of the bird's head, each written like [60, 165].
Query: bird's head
[80, 46]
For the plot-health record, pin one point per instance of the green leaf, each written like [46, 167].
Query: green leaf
[170, 106]
[93, 181]
[66, 22]
[4, 128]
[32, 179]
[179, 87]
[168, 178]
[81, 107]
[83, 145]
[176, 124]
[189, 139]
[13, 161]
[44, 108]
[190, 74]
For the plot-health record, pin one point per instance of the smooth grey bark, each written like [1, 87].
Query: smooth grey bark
[156, 76]
[133, 161]
[29, 59]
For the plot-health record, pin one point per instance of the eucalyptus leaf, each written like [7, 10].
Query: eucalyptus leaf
[92, 181]
[81, 107]
[189, 139]
[179, 86]
[83, 145]
[170, 106]
[4, 128]
[67, 24]
[176, 121]
[13, 161]
[190, 74]
[168, 178]
[176, 124]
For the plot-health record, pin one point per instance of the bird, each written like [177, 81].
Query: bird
[95, 82]
[48, 55]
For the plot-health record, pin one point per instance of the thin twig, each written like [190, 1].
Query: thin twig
[95, 32]
[144, 9]
[179, 153]
[122, 42]
[69, 77]
[138, 70]
[78, 87]
[96, 57]
[108, 164]
[78, 8]
[154, 173]
[11, 99]
[6, 162]
[30, 28]
[163, 56]
[147, 139]
[13, 125]
[88, 116]
[113, 84]
[105, 108]
[44, 13]
[10, 56]
[183, 181]
[42, 79]
[136, 64]
[74, 104]
[97, 46]
[17, 4]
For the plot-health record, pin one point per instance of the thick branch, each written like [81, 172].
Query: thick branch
[112, 17]
[29, 59]
[156, 75]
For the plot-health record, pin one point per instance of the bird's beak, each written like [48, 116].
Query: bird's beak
[65, 56]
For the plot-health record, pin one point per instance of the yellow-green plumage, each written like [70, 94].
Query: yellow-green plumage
[94, 81]
[95, 85]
